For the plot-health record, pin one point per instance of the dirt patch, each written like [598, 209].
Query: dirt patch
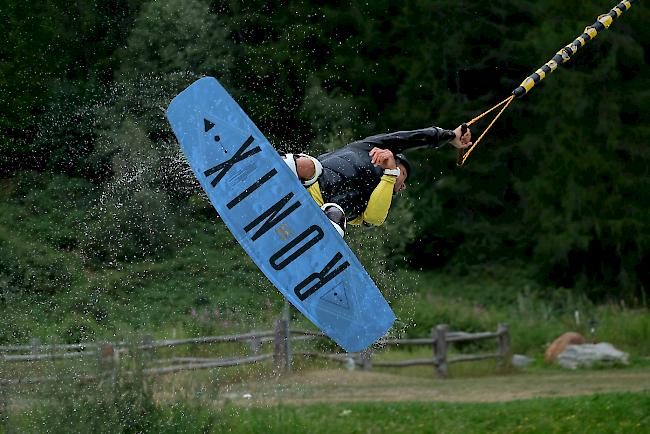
[335, 385]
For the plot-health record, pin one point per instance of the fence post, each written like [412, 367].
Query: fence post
[107, 357]
[286, 315]
[366, 362]
[107, 361]
[255, 345]
[281, 355]
[434, 336]
[440, 349]
[504, 344]
[4, 408]
[36, 346]
[147, 350]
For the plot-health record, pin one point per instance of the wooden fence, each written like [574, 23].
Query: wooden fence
[440, 340]
[108, 354]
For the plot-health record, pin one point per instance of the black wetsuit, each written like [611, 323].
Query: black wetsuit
[349, 177]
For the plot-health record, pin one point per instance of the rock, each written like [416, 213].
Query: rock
[575, 356]
[521, 361]
[558, 345]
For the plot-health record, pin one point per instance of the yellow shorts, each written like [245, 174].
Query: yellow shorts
[314, 191]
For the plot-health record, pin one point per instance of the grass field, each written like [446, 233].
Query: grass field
[614, 413]
[66, 300]
[601, 413]
[330, 399]
[189, 292]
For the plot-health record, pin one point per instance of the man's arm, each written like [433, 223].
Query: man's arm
[379, 203]
[381, 197]
[431, 137]
[400, 141]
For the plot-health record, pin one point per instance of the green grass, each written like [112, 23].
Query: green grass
[46, 273]
[535, 316]
[207, 285]
[606, 413]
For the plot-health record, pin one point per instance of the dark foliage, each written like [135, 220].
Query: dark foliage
[560, 184]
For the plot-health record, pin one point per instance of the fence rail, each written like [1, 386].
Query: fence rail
[169, 343]
[109, 354]
[439, 340]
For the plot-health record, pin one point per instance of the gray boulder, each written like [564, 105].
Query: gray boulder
[521, 361]
[584, 356]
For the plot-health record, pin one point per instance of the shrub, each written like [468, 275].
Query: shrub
[77, 328]
[34, 267]
[128, 227]
[121, 402]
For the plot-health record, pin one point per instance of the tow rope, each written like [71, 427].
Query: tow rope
[603, 22]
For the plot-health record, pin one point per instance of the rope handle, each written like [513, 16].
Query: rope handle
[463, 154]
[562, 56]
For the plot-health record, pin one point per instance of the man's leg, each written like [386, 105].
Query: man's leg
[306, 168]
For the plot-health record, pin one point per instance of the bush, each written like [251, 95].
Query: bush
[429, 311]
[52, 207]
[121, 402]
[77, 328]
[34, 267]
[130, 226]
[627, 329]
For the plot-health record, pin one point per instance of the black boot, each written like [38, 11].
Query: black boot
[337, 216]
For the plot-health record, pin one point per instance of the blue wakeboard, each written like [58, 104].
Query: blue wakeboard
[275, 219]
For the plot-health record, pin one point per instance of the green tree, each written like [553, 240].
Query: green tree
[172, 43]
[55, 58]
[586, 203]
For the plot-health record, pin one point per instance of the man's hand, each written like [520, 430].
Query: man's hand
[462, 142]
[383, 158]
